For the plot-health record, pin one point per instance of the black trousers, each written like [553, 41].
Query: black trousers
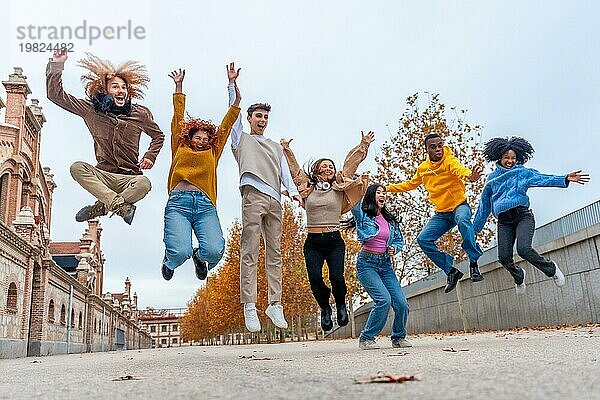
[518, 224]
[330, 247]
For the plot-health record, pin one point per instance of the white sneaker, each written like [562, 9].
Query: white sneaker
[275, 312]
[368, 344]
[559, 277]
[251, 317]
[522, 288]
[400, 343]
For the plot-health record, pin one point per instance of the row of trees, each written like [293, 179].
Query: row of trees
[214, 312]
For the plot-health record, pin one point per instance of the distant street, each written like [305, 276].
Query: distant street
[547, 364]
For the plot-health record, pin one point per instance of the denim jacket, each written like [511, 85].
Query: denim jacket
[367, 228]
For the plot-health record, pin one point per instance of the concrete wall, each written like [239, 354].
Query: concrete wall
[572, 241]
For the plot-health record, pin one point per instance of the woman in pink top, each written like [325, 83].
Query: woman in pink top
[378, 231]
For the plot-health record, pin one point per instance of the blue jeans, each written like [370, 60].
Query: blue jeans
[376, 275]
[442, 222]
[187, 210]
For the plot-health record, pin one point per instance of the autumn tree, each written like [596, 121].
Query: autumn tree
[400, 156]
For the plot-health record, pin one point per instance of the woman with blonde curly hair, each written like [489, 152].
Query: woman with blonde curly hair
[196, 147]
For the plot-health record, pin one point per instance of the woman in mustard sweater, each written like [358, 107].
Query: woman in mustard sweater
[196, 147]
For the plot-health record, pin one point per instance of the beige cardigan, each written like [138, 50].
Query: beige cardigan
[354, 188]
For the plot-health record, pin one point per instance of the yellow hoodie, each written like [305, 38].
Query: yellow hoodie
[443, 180]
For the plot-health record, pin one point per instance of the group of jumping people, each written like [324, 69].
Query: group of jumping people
[269, 170]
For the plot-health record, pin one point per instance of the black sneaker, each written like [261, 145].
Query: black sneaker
[167, 272]
[475, 274]
[342, 314]
[96, 210]
[453, 277]
[201, 267]
[326, 322]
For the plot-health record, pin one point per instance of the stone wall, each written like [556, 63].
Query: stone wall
[572, 241]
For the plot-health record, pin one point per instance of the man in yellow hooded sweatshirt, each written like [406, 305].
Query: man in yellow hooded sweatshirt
[443, 177]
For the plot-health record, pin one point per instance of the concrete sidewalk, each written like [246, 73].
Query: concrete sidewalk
[548, 364]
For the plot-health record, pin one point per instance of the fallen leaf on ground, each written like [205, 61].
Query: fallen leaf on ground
[36, 361]
[253, 357]
[384, 377]
[127, 378]
[453, 350]
[398, 354]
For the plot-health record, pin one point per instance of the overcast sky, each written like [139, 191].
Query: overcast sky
[329, 70]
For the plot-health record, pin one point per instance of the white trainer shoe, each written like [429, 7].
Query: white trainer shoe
[275, 313]
[559, 277]
[368, 344]
[522, 288]
[251, 317]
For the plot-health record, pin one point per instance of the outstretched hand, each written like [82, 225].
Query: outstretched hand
[232, 73]
[578, 177]
[285, 143]
[145, 163]
[475, 174]
[59, 55]
[178, 77]
[368, 138]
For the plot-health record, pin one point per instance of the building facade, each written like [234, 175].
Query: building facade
[163, 326]
[51, 298]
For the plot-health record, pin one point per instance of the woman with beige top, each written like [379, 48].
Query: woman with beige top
[327, 194]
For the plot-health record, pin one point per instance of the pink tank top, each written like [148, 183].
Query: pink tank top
[378, 243]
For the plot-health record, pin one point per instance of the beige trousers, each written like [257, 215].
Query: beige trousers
[261, 214]
[111, 189]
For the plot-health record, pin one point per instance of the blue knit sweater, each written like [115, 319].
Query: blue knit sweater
[507, 188]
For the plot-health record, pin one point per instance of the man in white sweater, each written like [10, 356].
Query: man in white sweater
[263, 171]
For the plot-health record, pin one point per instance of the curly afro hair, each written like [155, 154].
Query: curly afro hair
[496, 147]
[101, 71]
[191, 126]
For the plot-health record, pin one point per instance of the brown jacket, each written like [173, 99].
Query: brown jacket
[354, 187]
[116, 138]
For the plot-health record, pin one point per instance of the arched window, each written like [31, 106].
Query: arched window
[3, 195]
[72, 318]
[63, 313]
[11, 300]
[51, 312]
[80, 325]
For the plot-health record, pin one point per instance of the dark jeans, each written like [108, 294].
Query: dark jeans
[330, 247]
[518, 224]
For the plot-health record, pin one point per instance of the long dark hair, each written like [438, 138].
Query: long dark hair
[369, 205]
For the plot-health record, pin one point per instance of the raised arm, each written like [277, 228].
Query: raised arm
[178, 109]
[228, 121]
[298, 175]
[406, 185]
[357, 155]
[236, 130]
[54, 87]
[288, 182]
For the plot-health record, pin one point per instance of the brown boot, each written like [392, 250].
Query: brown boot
[125, 211]
[96, 210]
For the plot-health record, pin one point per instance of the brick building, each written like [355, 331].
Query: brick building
[163, 326]
[50, 293]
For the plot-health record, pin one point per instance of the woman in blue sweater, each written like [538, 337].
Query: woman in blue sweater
[505, 196]
[378, 232]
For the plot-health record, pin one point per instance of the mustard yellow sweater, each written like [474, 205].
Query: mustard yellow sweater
[197, 167]
[443, 180]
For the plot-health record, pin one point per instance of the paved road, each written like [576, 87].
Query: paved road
[549, 364]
